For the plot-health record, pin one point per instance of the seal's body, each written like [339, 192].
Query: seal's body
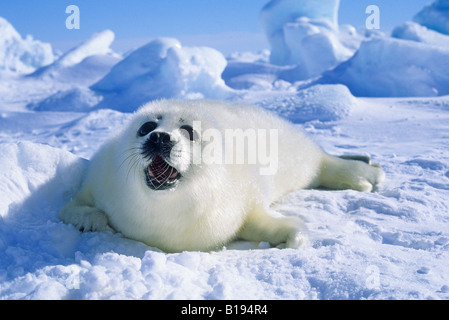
[174, 178]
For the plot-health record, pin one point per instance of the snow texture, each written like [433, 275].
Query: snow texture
[98, 44]
[388, 67]
[163, 69]
[320, 102]
[416, 32]
[304, 33]
[435, 16]
[84, 64]
[21, 55]
[159, 69]
[389, 244]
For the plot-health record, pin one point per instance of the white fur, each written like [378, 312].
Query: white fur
[213, 203]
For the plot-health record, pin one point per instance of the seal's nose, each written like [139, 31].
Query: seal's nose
[159, 137]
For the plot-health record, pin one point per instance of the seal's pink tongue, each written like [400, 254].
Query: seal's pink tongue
[161, 170]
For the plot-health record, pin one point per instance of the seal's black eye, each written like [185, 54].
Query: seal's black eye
[189, 132]
[146, 128]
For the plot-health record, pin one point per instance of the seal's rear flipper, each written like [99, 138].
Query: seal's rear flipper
[349, 172]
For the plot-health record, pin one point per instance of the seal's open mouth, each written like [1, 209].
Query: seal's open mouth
[160, 175]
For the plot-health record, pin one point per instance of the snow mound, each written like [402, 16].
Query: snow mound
[77, 99]
[21, 55]
[34, 172]
[98, 44]
[84, 64]
[144, 60]
[304, 33]
[435, 16]
[387, 67]
[79, 68]
[164, 69]
[242, 75]
[87, 72]
[416, 32]
[317, 103]
[248, 56]
[160, 69]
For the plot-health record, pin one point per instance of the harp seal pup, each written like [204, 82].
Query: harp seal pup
[146, 183]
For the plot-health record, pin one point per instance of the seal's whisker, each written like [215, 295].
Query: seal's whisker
[128, 154]
[134, 164]
[127, 158]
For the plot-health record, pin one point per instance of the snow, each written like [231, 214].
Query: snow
[321, 102]
[163, 69]
[160, 69]
[139, 62]
[416, 32]
[389, 244]
[84, 64]
[304, 33]
[21, 55]
[98, 44]
[388, 67]
[435, 16]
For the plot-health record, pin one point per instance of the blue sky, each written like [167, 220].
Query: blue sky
[224, 24]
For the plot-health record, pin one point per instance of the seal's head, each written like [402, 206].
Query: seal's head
[166, 152]
[161, 144]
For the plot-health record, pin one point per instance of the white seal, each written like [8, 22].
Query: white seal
[194, 175]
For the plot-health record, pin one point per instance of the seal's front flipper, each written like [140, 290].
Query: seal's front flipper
[83, 215]
[260, 226]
